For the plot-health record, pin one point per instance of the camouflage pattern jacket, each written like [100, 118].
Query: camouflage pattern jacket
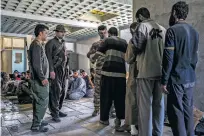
[96, 59]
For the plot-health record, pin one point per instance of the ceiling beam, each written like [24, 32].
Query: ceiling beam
[25, 24]
[49, 19]
[13, 35]
[25, 35]
[31, 26]
[14, 27]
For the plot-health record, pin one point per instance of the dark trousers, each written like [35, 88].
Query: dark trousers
[112, 89]
[180, 109]
[57, 92]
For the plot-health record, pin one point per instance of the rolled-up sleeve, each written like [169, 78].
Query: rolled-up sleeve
[36, 61]
[100, 51]
[92, 50]
[168, 56]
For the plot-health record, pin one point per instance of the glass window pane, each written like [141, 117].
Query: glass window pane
[18, 42]
[7, 42]
[18, 57]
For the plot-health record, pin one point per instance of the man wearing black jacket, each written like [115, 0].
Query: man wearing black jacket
[56, 55]
[39, 75]
[178, 74]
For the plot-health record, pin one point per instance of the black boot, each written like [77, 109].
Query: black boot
[56, 119]
[61, 114]
[39, 129]
[44, 123]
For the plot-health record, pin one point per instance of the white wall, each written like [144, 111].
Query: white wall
[69, 46]
[125, 34]
[82, 48]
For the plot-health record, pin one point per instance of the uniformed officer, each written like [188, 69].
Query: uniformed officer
[39, 75]
[55, 51]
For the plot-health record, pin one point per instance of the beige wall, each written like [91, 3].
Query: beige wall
[160, 11]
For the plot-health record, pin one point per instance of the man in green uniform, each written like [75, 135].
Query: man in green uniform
[102, 31]
[39, 75]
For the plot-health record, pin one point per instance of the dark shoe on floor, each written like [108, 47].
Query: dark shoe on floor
[117, 124]
[166, 121]
[104, 122]
[124, 128]
[61, 114]
[39, 129]
[95, 113]
[56, 119]
[44, 123]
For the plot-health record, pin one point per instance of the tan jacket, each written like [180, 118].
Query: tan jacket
[130, 58]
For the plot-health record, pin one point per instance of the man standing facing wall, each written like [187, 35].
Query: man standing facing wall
[179, 64]
[148, 41]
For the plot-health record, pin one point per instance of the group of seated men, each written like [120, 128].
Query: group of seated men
[80, 85]
[17, 84]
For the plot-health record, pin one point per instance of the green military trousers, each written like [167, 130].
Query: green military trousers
[40, 102]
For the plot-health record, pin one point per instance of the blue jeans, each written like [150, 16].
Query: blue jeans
[180, 109]
[151, 107]
[76, 95]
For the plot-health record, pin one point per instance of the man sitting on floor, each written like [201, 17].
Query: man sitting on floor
[78, 87]
[89, 84]
[24, 91]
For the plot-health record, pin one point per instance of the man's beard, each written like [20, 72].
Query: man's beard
[172, 20]
[102, 37]
[139, 20]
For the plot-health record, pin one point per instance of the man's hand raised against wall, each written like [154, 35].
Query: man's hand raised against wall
[52, 75]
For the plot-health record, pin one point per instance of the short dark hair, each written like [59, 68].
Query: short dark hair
[134, 25]
[15, 71]
[75, 71]
[81, 71]
[102, 27]
[113, 31]
[23, 73]
[28, 71]
[144, 12]
[181, 10]
[40, 28]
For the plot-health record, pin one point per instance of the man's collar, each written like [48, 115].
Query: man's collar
[60, 40]
[147, 20]
[39, 41]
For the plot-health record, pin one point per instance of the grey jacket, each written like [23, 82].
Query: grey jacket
[38, 61]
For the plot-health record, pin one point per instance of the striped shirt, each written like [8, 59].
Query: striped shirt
[114, 49]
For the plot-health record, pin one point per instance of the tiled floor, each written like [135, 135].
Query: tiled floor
[16, 121]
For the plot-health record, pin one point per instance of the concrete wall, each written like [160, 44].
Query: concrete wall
[82, 48]
[160, 11]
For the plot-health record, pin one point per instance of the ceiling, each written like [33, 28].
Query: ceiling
[21, 16]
